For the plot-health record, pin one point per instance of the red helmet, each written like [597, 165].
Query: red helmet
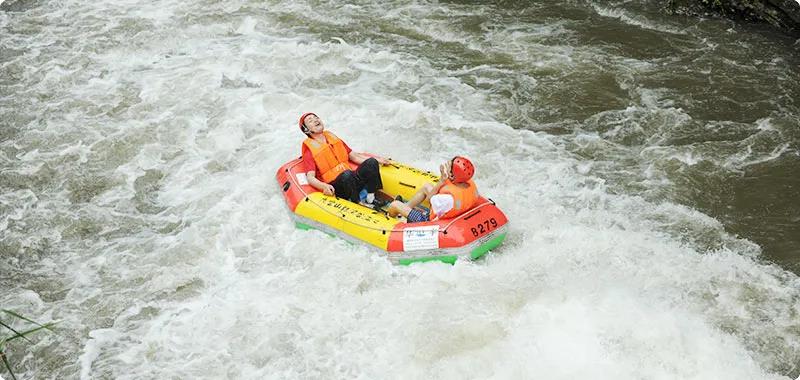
[462, 169]
[302, 121]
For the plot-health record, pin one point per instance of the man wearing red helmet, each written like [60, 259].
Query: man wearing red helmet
[325, 161]
[453, 195]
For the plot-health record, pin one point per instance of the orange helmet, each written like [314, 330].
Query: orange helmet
[302, 121]
[461, 169]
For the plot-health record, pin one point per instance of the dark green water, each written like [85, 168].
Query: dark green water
[702, 112]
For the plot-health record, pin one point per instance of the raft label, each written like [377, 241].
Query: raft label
[302, 179]
[419, 238]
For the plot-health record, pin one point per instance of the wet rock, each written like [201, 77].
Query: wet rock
[782, 14]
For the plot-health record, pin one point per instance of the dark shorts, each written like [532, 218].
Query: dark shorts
[416, 216]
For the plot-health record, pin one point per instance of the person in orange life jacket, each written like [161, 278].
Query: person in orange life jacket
[325, 161]
[454, 194]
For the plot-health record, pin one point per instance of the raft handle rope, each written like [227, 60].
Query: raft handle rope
[407, 185]
[444, 230]
[473, 214]
[308, 199]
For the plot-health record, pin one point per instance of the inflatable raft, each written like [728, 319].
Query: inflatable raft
[468, 236]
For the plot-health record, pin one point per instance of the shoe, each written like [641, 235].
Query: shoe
[379, 203]
[375, 205]
[362, 196]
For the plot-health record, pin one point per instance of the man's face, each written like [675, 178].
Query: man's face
[314, 124]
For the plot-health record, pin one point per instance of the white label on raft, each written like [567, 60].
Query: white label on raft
[301, 179]
[419, 238]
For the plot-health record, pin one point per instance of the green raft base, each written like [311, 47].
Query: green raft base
[449, 259]
[303, 226]
[488, 246]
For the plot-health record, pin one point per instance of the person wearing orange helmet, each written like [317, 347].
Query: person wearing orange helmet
[453, 195]
[326, 163]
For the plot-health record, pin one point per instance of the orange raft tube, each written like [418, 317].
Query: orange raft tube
[467, 236]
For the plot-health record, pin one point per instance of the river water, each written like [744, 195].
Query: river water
[649, 164]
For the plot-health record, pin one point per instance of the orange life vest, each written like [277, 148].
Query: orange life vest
[331, 158]
[463, 198]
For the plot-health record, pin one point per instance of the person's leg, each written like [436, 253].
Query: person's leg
[347, 186]
[369, 174]
[412, 215]
[421, 195]
[397, 207]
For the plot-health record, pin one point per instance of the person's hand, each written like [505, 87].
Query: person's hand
[383, 160]
[444, 169]
[328, 189]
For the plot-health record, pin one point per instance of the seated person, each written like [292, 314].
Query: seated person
[454, 194]
[325, 162]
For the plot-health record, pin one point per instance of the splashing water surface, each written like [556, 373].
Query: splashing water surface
[648, 166]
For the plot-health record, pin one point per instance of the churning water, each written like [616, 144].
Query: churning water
[649, 166]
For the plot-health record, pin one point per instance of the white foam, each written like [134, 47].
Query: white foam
[590, 283]
[639, 21]
[765, 124]
[93, 349]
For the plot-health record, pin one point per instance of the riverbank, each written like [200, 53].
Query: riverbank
[784, 15]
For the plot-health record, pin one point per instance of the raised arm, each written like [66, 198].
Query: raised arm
[444, 171]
